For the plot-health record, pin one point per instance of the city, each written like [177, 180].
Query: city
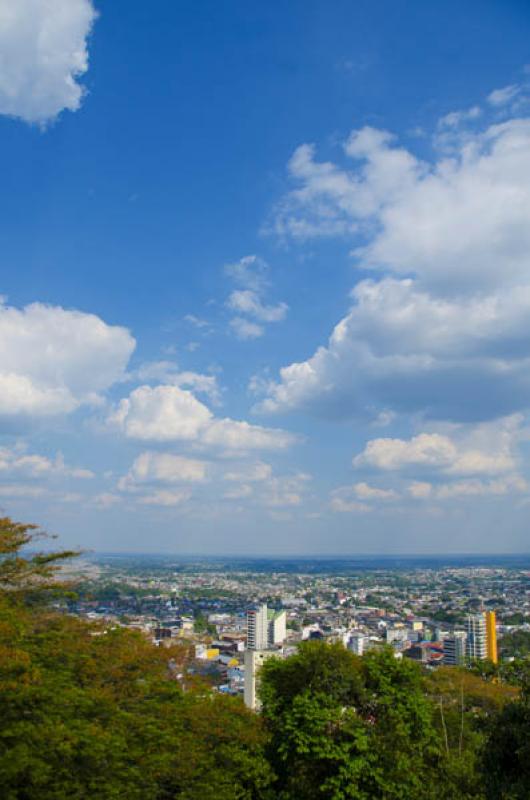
[233, 614]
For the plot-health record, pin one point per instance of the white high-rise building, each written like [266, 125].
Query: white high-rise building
[476, 637]
[265, 628]
[258, 628]
[357, 643]
[455, 648]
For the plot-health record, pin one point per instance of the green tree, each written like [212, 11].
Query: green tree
[348, 727]
[506, 754]
[93, 711]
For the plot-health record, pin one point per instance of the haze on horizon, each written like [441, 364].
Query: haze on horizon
[266, 275]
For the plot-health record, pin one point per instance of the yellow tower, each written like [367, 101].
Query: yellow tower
[491, 636]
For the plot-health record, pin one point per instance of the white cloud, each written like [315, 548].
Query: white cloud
[16, 461]
[151, 467]
[168, 373]
[246, 301]
[364, 491]
[258, 471]
[459, 223]
[245, 329]
[344, 501]
[510, 484]
[234, 435]
[169, 413]
[164, 497]
[472, 488]
[197, 322]
[53, 360]
[251, 273]
[163, 413]
[402, 349]
[43, 51]
[484, 450]
[456, 118]
[501, 97]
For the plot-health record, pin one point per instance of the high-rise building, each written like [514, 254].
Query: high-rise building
[265, 628]
[277, 627]
[491, 636]
[258, 628]
[476, 637]
[455, 648]
[357, 643]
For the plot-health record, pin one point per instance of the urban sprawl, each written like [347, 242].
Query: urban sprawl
[233, 617]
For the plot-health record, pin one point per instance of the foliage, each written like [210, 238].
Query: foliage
[506, 758]
[94, 712]
[348, 727]
[516, 643]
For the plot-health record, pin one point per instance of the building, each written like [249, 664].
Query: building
[253, 662]
[265, 628]
[491, 637]
[258, 628]
[357, 643]
[476, 637]
[277, 627]
[454, 648]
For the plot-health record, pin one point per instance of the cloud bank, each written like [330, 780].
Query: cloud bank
[443, 329]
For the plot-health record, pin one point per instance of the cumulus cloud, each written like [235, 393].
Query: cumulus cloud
[151, 467]
[458, 223]
[486, 450]
[246, 301]
[364, 491]
[360, 498]
[252, 313]
[257, 471]
[165, 497]
[167, 372]
[53, 360]
[17, 461]
[443, 329]
[344, 501]
[402, 349]
[43, 53]
[169, 413]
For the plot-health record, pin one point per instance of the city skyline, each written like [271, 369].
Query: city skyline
[266, 284]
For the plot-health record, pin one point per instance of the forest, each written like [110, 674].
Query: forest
[88, 711]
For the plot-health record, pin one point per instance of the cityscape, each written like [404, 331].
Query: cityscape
[234, 614]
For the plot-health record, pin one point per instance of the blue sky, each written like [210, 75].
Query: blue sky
[265, 275]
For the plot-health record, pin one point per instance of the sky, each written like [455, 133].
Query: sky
[265, 275]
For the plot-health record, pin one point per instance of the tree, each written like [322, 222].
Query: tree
[348, 727]
[506, 754]
[91, 711]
